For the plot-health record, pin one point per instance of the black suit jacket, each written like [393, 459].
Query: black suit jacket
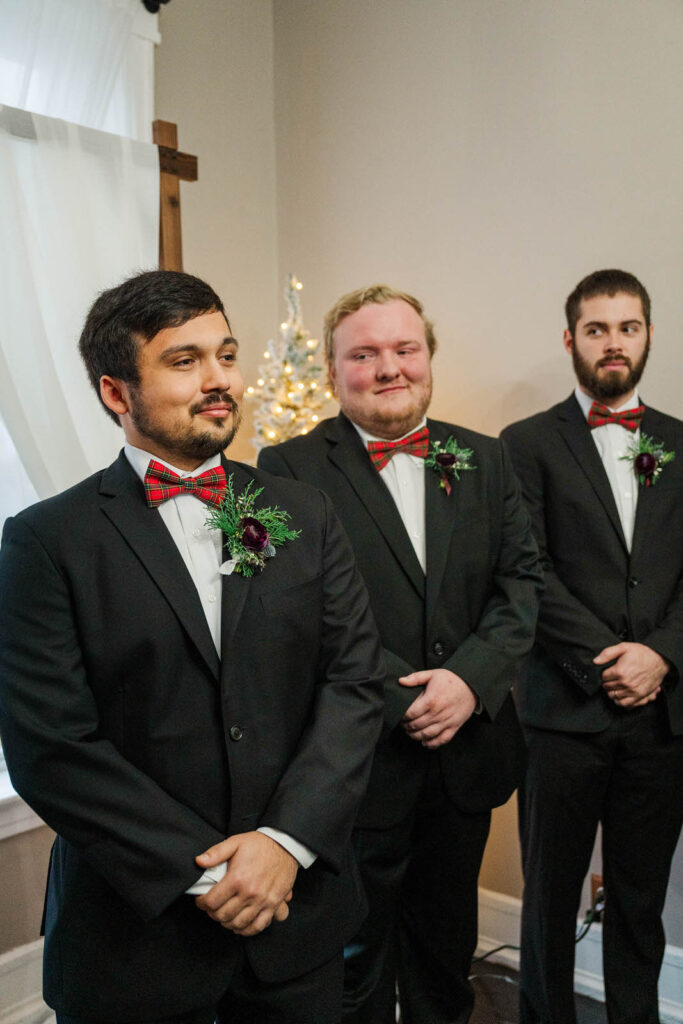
[473, 612]
[125, 732]
[597, 593]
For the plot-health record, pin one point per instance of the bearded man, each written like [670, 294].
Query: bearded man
[189, 698]
[600, 698]
[443, 541]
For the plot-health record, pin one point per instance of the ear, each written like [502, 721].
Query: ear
[652, 332]
[115, 395]
[568, 340]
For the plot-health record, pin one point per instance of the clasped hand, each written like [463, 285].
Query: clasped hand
[445, 705]
[636, 676]
[256, 887]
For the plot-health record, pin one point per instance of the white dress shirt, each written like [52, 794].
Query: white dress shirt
[201, 549]
[613, 441]
[404, 476]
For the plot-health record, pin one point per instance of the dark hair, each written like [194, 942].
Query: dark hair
[605, 282]
[122, 318]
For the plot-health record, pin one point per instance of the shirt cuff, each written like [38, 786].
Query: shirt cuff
[301, 853]
[208, 879]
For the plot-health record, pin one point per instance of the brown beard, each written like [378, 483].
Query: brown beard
[613, 384]
[199, 446]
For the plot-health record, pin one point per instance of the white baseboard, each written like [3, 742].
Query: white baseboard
[499, 921]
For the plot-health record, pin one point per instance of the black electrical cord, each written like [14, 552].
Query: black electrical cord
[497, 949]
[592, 915]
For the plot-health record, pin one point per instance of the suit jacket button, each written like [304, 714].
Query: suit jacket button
[438, 648]
[633, 582]
[623, 634]
[236, 732]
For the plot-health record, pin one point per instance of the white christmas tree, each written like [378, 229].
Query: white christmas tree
[290, 390]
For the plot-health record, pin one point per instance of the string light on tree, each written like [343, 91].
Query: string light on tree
[290, 391]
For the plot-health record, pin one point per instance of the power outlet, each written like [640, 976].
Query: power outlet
[597, 897]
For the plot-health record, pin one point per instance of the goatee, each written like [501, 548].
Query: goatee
[201, 445]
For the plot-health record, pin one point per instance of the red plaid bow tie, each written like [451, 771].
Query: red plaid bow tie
[162, 484]
[416, 443]
[599, 416]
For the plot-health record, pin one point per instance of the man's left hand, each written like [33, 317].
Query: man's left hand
[257, 885]
[445, 705]
[636, 676]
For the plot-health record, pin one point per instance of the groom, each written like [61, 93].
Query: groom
[200, 741]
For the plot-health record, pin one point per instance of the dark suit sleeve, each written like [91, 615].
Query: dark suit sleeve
[489, 656]
[397, 698]
[125, 825]
[317, 798]
[570, 632]
[667, 638]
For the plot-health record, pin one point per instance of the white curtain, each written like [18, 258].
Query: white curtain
[78, 213]
[90, 62]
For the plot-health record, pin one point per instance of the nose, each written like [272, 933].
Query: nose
[613, 341]
[388, 365]
[216, 376]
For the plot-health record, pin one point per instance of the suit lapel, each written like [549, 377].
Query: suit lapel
[441, 518]
[350, 457]
[577, 436]
[144, 531]
[236, 586]
[648, 497]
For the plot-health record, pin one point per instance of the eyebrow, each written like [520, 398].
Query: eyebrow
[603, 323]
[362, 345]
[190, 346]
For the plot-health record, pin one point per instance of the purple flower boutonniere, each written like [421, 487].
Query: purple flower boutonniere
[648, 459]
[253, 533]
[449, 460]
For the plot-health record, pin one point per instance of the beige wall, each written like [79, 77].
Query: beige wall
[214, 78]
[23, 869]
[484, 155]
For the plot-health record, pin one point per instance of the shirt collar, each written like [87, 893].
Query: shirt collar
[585, 402]
[139, 460]
[366, 438]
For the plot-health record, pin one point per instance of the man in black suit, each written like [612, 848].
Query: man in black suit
[601, 698]
[446, 550]
[199, 739]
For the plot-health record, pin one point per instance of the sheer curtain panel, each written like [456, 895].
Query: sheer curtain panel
[79, 211]
[90, 62]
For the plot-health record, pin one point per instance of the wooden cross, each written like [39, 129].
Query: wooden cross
[174, 167]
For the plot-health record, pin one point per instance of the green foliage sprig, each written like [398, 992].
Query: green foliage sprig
[648, 457]
[253, 533]
[449, 460]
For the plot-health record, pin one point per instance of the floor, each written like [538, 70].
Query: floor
[496, 998]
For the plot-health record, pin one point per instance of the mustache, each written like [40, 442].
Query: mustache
[219, 398]
[616, 359]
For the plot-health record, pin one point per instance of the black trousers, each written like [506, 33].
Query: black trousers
[313, 998]
[629, 779]
[420, 877]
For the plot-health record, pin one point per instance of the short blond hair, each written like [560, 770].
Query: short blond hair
[353, 301]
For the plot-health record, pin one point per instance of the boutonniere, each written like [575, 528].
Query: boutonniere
[253, 533]
[648, 459]
[449, 460]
